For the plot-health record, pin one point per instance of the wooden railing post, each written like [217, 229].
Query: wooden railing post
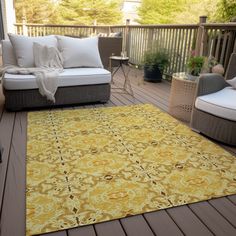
[127, 37]
[24, 27]
[200, 36]
[95, 27]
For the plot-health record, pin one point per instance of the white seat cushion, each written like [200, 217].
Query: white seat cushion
[69, 77]
[221, 103]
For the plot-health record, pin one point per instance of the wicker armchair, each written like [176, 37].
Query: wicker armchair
[205, 121]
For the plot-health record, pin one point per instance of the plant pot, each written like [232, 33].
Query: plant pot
[154, 75]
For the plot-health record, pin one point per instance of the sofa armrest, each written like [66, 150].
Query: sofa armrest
[231, 70]
[210, 83]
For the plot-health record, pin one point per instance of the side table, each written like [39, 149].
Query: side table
[182, 96]
[121, 61]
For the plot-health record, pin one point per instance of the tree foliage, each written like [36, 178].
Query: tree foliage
[36, 11]
[192, 9]
[159, 12]
[226, 10]
[185, 11]
[83, 12]
[86, 12]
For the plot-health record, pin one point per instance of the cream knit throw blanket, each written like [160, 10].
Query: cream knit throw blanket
[49, 64]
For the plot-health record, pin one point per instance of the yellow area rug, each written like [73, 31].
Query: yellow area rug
[92, 165]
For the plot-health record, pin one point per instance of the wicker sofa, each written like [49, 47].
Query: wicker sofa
[214, 112]
[76, 85]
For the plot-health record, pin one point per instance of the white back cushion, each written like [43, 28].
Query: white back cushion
[23, 47]
[80, 52]
[8, 54]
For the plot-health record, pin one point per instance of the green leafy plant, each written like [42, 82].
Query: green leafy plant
[195, 64]
[158, 59]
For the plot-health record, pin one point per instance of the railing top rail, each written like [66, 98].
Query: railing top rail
[65, 26]
[173, 26]
[113, 26]
[230, 25]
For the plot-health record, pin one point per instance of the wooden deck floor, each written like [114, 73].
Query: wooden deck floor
[213, 217]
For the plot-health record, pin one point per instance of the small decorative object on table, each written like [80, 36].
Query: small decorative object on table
[200, 64]
[123, 54]
[213, 66]
[154, 65]
[210, 63]
[218, 69]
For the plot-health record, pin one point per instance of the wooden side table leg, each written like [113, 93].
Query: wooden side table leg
[127, 84]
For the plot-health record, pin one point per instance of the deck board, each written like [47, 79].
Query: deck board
[1, 101]
[6, 130]
[113, 228]
[136, 225]
[13, 208]
[81, 231]
[61, 233]
[213, 217]
[232, 199]
[162, 224]
[225, 208]
[188, 222]
[214, 221]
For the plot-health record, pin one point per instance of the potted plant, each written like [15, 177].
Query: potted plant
[195, 65]
[154, 65]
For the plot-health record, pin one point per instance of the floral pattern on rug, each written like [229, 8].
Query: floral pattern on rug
[92, 165]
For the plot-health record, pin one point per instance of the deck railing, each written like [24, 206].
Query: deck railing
[216, 40]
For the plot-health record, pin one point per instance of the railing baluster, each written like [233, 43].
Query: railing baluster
[225, 39]
[218, 45]
[218, 41]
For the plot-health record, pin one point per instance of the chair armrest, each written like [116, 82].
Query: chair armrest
[210, 83]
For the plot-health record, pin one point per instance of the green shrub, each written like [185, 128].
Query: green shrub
[158, 59]
[195, 65]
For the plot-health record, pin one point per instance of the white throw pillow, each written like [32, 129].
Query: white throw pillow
[23, 47]
[47, 57]
[80, 52]
[232, 82]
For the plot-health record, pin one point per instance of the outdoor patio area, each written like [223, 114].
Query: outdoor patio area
[213, 217]
[117, 118]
